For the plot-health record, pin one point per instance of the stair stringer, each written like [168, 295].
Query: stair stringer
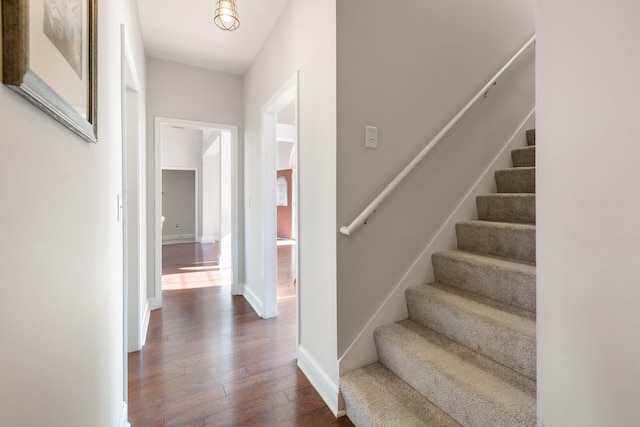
[362, 351]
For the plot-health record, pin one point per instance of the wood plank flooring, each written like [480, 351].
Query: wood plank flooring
[210, 360]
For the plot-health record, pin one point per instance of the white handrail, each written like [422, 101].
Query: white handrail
[366, 213]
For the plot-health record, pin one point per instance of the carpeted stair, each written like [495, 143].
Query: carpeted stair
[467, 353]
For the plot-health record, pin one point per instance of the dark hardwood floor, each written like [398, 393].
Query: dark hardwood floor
[210, 360]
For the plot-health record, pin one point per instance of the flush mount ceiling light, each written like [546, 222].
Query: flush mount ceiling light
[226, 15]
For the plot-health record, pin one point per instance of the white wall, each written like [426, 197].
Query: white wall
[588, 211]
[284, 154]
[211, 201]
[179, 204]
[408, 70]
[181, 148]
[61, 291]
[189, 93]
[225, 258]
[303, 40]
[286, 137]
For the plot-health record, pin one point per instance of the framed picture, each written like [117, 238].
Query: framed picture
[49, 58]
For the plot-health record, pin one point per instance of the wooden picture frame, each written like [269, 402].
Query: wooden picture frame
[49, 50]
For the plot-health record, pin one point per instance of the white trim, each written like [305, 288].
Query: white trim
[124, 414]
[241, 286]
[156, 221]
[324, 385]
[130, 85]
[154, 304]
[253, 300]
[362, 350]
[128, 56]
[145, 323]
[121, 220]
[170, 237]
[209, 239]
[295, 164]
[286, 133]
[178, 241]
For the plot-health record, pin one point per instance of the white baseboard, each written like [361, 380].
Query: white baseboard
[238, 289]
[145, 323]
[124, 415]
[253, 300]
[362, 350]
[324, 385]
[208, 239]
[176, 238]
[154, 304]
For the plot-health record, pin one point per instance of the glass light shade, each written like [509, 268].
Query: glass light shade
[226, 15]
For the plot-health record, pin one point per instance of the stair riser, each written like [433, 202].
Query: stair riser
[531, 137]
[516, 180]
[466, 405]
[515, 243]
[499, 342]
[524, 157]
[518, 209]
[514, 287]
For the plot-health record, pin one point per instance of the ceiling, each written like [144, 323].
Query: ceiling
[184, 31]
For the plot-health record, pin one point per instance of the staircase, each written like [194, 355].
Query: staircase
[467, 353]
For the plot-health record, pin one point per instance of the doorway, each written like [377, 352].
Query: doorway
[211, 150]
[133, 206]
[280, 210]
[286, 201]
[132, 212]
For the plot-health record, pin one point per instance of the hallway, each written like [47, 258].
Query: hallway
[209, 360]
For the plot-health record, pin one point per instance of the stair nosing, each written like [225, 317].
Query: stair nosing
[527, 148]
[525, 267]
[516, 168]
[507, 195]
[498, 224]
[485, 307]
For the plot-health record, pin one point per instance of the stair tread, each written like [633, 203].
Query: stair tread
[388, 400]
[460, 381]
[509, 281]
[493, 260]
[525, 149]
[502, 332]
[518, 169]
[531, 137]
[508, 195]
[498, 224]
[506, 239]
[516, 180]
[481, 306]
[507, 207]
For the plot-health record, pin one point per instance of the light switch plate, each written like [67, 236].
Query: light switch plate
[371, 137]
